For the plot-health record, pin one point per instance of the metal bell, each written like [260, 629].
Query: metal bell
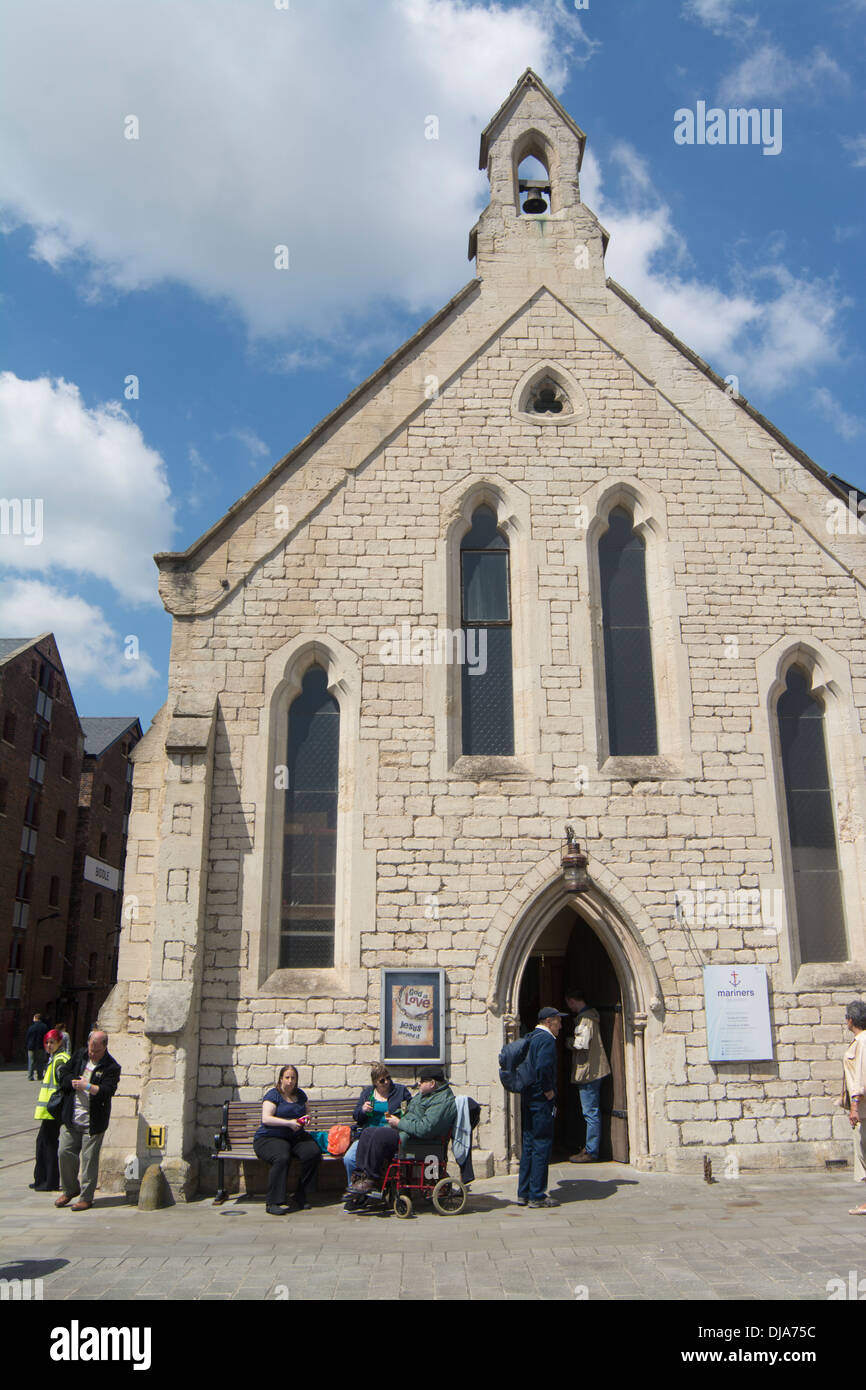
[538, 193]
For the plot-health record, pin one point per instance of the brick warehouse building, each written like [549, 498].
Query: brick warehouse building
[96, 897]
[65, 789]
[669, 602]
[41, 750]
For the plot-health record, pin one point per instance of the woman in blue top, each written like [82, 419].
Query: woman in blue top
[281, 1137]
[384, 1097]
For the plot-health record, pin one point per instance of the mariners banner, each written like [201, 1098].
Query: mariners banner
[738, 1013]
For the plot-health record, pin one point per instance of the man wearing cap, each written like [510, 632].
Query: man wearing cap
[430, 1115]
[538, 1111]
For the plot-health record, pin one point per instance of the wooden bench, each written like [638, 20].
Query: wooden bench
[241, 1119]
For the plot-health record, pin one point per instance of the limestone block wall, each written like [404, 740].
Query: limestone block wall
[446, 852]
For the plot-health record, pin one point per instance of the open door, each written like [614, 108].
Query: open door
[569, 953]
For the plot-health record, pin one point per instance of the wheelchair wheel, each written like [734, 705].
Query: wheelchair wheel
[402, 1204]
[449, 1196]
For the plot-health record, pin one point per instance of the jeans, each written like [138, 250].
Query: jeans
[589, 1092]
[349, 1160]
[535, 1150]
[35, 1062]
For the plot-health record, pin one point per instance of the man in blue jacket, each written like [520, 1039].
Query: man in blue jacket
[538, 1110]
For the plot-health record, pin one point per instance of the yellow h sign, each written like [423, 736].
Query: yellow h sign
[156, 1137]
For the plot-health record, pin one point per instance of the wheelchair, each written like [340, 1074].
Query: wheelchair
[418, 1169]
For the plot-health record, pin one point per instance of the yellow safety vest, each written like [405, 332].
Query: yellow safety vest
[49, 1086]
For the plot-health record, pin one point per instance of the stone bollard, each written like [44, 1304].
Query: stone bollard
[154, 1192]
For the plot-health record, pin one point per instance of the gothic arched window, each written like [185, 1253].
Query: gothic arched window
[486, 676]
[811, 823]
[310, 831]
[628, 664]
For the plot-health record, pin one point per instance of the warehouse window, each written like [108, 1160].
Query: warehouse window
[628, 665]
[486, 675]
[811, 822]
[310, 831]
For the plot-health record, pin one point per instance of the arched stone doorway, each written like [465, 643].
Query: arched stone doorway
[623, 939]
[569, 956]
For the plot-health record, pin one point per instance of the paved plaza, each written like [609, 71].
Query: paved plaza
[619, 1234]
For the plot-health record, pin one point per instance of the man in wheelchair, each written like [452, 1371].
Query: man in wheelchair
[431, 1115]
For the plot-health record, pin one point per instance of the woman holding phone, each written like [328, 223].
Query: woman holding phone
[282, 1136]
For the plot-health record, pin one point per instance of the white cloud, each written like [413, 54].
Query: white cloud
[261, 127]
[254, 447]
[857, 145]
[798, 330]
[91, 650]
[769, 339]
[847, 425]
[723, 17]
[104, 494]
[769, 74]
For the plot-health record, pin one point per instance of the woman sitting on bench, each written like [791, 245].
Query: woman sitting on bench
[431, 1115]
[383, 1098]
[281, 1137]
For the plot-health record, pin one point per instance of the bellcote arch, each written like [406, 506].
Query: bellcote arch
[533, 144]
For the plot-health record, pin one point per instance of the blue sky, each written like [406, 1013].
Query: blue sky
[304, 126]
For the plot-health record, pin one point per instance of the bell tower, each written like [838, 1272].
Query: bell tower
[535, 229]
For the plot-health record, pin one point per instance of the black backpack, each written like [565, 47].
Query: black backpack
[515, 1073]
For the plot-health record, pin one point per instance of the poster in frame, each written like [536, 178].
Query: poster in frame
[413, 1017]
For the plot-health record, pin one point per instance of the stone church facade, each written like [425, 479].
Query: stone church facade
[539, 437]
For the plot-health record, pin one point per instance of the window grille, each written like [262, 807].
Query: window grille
[811, 823]
[486, 673]
[310, 827]
[628, 666]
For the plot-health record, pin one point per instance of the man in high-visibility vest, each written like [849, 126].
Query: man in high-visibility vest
[46, 1173]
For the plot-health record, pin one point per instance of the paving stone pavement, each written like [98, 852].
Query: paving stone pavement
[619, 1234]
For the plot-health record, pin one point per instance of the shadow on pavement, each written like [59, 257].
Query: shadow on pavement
[588, 1189]
[31, 1269]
